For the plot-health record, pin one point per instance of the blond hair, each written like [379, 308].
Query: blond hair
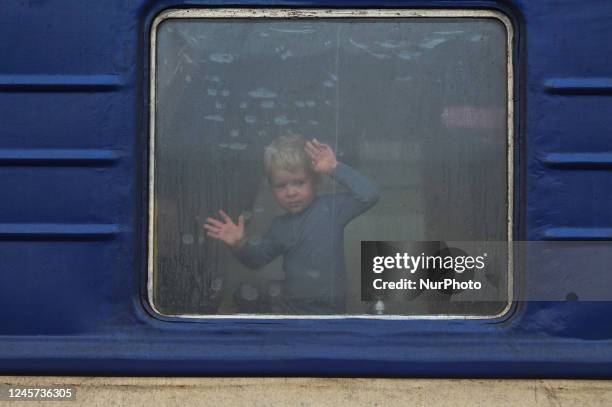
[287, 153]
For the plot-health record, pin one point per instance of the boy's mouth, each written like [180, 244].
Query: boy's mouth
[294, 205]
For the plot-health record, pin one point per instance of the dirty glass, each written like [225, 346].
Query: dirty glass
[417, 107]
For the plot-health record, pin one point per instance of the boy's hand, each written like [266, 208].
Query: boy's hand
[322, 156]
[227, 231]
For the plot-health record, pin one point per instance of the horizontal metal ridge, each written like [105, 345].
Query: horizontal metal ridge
[62, 83]
[579, 86]
[578, 160]
[57, 157]
[570, 233]
[57, 231]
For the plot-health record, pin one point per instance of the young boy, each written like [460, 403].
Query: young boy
[310, 236]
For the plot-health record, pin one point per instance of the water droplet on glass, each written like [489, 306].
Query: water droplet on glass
[281, 120]
[262, 93]
[432, 43]
[216, 284]
[294, 31]
[379, 56]
[248, 292]
[211, 92]
[255, 240]
[449, 32]
[358, 44]
[274, 290]
[221, 58]
[234, 133]
[310, 103]
[250, 119]
[267, 104]
[408, 55]
[188, 239]
[379, 307]
[238, 146]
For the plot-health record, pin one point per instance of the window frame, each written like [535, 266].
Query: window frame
[328, 14]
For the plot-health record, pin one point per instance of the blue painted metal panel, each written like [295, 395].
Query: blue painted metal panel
[73, 148]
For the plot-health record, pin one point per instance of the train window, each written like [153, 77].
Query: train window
[286, 145]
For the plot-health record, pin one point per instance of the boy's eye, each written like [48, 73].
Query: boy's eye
[298, 183]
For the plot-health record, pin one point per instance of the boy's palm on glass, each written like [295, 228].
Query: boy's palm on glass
[322, 156]
[227, 231]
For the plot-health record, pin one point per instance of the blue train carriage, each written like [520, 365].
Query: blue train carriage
[480, 125]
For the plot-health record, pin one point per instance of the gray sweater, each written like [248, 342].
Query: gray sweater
[312, 245]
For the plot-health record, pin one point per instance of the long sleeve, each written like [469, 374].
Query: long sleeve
[362, 193]
[257, 252]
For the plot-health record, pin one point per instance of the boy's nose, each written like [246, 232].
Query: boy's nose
[291, 191]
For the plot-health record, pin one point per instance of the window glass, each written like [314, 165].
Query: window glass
[319, 134]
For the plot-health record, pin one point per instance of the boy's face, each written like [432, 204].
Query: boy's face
[294, 191]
